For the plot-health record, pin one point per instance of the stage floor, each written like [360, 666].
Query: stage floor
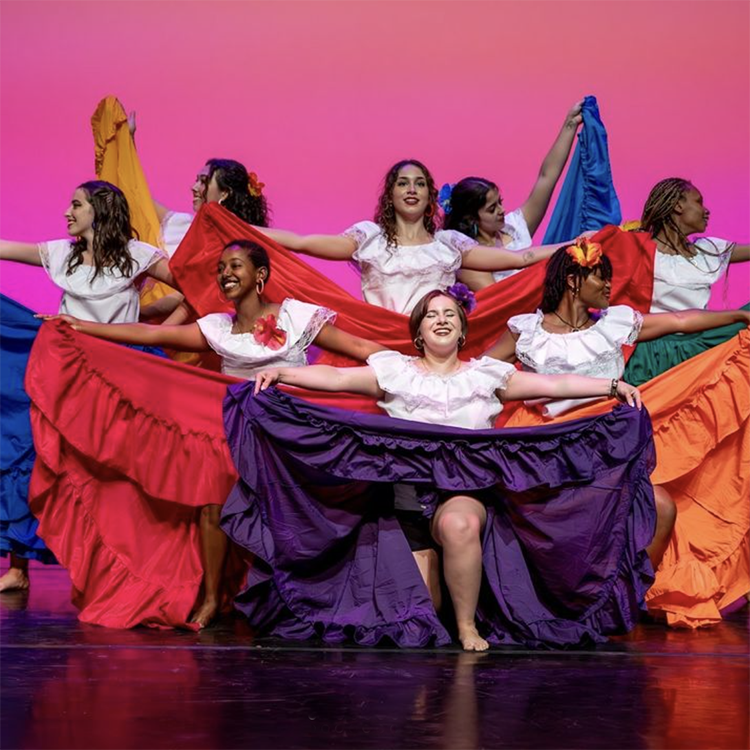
[68, 685]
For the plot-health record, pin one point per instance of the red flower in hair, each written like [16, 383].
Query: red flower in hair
[255, 187]
[267, 333]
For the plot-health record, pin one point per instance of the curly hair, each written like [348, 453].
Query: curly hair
[559, 267]
[467, 197]
[256, 253]
[385, 214]
[112, 230]
[232, 177]
[420, 311]
[661, 202]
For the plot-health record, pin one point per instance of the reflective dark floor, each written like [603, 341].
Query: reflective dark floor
[68, 685]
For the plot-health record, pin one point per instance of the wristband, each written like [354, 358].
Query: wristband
[613, 387]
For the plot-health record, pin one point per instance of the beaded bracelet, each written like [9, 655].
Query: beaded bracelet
[613, 387]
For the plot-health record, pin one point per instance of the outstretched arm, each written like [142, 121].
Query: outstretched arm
[482, 258]
[330, 246]
[21, 252]
[185, 338]
[688, 321]
[740, 254]
[530, 385]
[322, 378]
[504, 348]
[335, 340]
[536, 204]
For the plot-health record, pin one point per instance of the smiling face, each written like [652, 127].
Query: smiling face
[206, 190]
[690, 213]
[595, 290]
[411, 193]
[237, 275]
[442, 325]
[80, 214]
[491, 215]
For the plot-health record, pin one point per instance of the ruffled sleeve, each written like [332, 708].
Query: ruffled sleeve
[621, 325]
[303, 322]
[389, 367]
[363, 233]
[715, 246]
[456, 241]
[174, 227]
[215, 328]
[518, 229]
[144, 255]
[54, 255]
[493, 372]
[525, 324]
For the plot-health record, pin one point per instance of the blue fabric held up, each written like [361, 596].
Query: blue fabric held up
[587, 199]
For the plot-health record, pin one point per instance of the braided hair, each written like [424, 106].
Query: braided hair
[385, 213]
[112, 231]
[233, 178]
[559, 268]
[467, 197]
[660, 204]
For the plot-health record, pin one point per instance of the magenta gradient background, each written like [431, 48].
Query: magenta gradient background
[320, 98]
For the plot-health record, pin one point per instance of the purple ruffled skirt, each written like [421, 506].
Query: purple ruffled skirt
[570, 512]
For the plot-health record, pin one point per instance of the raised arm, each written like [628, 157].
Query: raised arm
[21, 252]
[330, 246]
[335, 340]
[322, 378]
[184, 338]
[481, 258]
[549, 173]
[504, 348]
[689, 321]
[740, 254]
[530, 385]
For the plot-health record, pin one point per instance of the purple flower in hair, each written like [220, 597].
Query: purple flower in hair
[463, 295]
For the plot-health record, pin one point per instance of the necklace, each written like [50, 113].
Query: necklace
[689, 258]
[570, 325]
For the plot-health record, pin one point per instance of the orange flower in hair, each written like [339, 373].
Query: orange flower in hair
[586, 253]
[255, 187]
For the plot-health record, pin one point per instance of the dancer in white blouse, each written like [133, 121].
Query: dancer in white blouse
[259, 335]
[564, 337]
[684, 271]
[439, 388]
[97, 270]
[401, 254]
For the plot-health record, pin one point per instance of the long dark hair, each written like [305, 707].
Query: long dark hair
[385, 214]
[112, 230]
[559, 267]
[233, 178]
[467, 197]
[660, 204]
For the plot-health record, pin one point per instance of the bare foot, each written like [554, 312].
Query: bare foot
[470, 638]
[14, 580]
[205, 614]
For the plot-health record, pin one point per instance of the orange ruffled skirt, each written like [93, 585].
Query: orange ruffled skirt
[701, 416]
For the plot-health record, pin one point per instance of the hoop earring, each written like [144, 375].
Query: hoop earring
[260, 285]
[461, 341]
[430, 212]
[474, 229]
[418, 343]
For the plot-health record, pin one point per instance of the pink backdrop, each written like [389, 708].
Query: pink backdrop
[319, 98]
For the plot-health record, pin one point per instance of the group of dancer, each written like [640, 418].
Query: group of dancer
[491, 503]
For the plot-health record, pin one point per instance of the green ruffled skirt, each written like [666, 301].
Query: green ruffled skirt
[652, 358]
